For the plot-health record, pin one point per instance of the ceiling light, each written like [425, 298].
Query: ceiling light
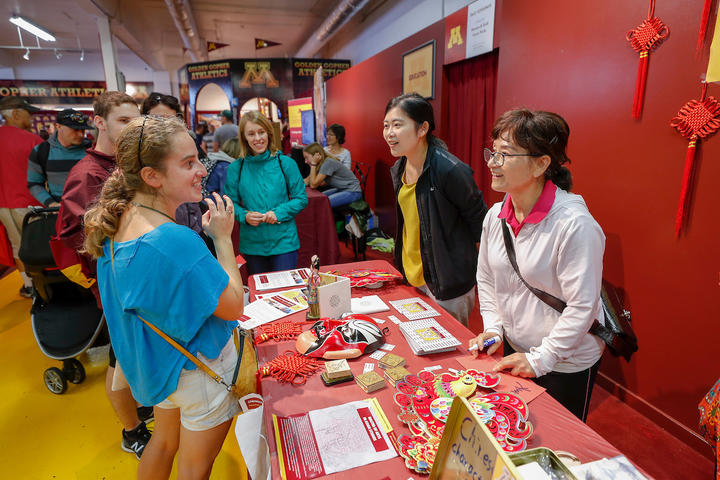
[27, 54]
[58, 54]
[34, 29]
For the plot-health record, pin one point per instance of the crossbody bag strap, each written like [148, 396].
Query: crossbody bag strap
[282, 170]
[175, 344]
[550, 300]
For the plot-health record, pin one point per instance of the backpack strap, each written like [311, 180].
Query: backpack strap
[43, 153]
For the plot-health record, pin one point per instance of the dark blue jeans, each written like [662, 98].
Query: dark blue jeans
[271, 263]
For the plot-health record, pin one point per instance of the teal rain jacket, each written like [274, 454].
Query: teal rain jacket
[262, 183]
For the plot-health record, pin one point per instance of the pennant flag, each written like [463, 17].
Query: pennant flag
[713, 70]
[260, 43]
[215, 45]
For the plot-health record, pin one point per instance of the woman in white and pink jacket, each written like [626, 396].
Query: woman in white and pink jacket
[558, 248]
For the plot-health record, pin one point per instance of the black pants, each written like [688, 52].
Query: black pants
[572, 390]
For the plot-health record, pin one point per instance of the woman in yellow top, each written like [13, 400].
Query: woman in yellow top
[440, 210]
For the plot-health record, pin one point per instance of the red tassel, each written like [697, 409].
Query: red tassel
[687, 172]
[703, 24]
[640, 84]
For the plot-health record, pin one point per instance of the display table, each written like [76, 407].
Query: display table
[316, 230]
[554, 426]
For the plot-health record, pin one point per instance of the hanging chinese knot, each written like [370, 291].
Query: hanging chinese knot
[696, 119]
[644, 38]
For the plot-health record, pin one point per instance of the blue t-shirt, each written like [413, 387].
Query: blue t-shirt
[168, 277]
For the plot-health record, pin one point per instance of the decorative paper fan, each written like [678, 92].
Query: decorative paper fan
[425, 400]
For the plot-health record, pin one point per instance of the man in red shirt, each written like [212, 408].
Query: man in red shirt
[113, 110]
[16, 143]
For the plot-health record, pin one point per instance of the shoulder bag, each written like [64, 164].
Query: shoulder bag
[245, 380]
[617, 333]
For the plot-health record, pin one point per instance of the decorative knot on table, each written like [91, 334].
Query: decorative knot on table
[278, 331]
[291, 367]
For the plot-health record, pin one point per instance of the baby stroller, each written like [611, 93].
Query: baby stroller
[65, 317]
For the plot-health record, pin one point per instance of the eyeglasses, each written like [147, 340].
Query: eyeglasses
[499, 158]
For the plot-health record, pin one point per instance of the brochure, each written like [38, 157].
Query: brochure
[289, 301]
[414, 308]
[288, 278]
[428, 336]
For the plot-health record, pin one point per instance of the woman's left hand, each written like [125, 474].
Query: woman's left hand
[518, 363]
[270, 217]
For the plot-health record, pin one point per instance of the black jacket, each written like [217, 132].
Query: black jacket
[451, 212]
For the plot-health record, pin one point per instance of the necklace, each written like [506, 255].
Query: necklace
[154, 210]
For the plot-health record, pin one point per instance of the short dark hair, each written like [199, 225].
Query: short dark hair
[104, 102]
[339, 132]
[155, 99]
[540, 133]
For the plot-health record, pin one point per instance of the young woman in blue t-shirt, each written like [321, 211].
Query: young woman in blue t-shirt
[150, 267]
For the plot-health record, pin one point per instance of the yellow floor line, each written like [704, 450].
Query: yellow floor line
[70, 436]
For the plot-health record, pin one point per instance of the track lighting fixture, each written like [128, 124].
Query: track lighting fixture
[58, 54]
[34, 29]
[27, 54]
[82, 55]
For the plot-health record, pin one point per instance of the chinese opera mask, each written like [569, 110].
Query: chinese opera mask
[349, 337]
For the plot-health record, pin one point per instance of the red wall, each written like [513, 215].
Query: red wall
[571, 57]
[357, 99]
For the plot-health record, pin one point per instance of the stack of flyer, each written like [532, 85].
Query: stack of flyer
[427, 336]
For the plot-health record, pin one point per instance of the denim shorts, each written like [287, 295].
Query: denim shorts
[203, 402]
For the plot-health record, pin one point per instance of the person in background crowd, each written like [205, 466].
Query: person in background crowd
[327, 170]
[161, 105]
[285, 142]
[559, 250]
[226, 131]
[113, 110]
[44, 134]
[200, 131]
[335, 142]
[209, 137]
[16, 143]
[50, 162]
[439, 208]
[217, 165]
[141, 251]
[268, 192]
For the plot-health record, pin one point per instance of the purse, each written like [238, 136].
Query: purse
[617, 333]
[245, 378]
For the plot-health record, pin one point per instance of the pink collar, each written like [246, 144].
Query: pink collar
[538, 212]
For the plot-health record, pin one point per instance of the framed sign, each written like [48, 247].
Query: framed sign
[418, 70]
[468, 450]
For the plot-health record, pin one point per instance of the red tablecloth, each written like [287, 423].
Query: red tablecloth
[555, 427]
[316, 229]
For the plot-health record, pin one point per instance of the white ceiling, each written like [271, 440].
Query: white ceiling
[146, 36]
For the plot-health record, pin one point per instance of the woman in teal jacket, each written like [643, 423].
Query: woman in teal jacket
[268, 192]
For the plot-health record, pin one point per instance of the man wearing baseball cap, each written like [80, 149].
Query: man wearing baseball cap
[226, 131]
[16, 143]
[51, 161]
